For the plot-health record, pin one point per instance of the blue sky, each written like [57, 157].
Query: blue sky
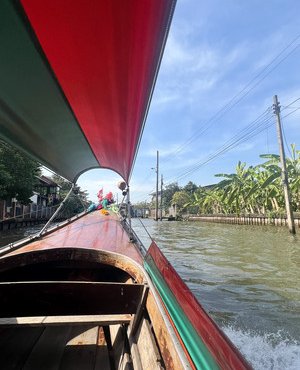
[223, 62]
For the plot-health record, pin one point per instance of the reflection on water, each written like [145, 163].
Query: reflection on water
[246, 277]
[13, 235]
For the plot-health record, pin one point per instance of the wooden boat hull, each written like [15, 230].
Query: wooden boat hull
[87, 272]
[90, 276]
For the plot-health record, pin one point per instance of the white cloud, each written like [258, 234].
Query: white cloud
[92, 181]
[165, 151]
[175, 53]
[163, 97]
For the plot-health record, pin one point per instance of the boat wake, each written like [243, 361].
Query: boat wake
[269, 351]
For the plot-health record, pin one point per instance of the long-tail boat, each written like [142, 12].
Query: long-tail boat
[76, 81]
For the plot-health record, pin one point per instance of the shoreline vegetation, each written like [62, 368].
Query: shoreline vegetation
[250, 195]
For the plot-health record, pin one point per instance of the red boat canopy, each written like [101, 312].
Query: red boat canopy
[77, 78]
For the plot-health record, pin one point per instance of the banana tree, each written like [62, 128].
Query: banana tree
[268, 196]
[236, 187]
[293, 169]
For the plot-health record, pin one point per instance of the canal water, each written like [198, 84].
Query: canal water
[13, 235]
[246, 277]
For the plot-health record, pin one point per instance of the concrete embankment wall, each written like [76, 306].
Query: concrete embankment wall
[244, 220]
[15, 224]
[23, 216]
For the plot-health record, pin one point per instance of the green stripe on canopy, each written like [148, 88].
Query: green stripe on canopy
[34, 114]
[77, 79]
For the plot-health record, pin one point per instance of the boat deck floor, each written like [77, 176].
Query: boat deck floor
[92, 231]
[54, 347]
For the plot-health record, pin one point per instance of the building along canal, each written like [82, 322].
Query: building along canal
[246, 277]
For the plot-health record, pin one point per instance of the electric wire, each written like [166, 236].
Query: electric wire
[255, 127]
[234, 102]
[260, 124]
[289, 105]
[283, 130]
[247, 132]
[295, 110]
[285, 140]
[221, 152]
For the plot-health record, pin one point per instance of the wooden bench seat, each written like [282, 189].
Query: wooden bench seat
[99, 320]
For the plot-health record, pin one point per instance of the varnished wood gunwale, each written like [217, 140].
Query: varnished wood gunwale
[102, 240]
[71, 256]
[93, 231]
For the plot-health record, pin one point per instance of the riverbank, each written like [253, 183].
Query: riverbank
[243, 220]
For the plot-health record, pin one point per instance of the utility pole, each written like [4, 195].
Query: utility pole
[161, 197]
[156, 200]
[284, 176]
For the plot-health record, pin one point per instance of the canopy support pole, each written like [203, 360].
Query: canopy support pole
[129, 209]
[57, 211]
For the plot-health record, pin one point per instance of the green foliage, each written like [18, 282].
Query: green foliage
[249, 190]
[190, 188]
[76, 203]
[181, 199]
[18, 174]
[168, 193]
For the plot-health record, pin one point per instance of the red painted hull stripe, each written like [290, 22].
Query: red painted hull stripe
[225, 353]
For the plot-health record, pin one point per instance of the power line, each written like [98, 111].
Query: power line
[260, 124]
[287, 106]
[284, 136]
[241, 136]
[255, 127]
[223, 151]
[240, 95]
[291, 112]
[233, 102]
[283, 129]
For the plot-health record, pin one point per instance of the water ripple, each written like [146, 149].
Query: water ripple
[247, 278]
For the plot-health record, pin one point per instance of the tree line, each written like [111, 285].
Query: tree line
[19, 177]
[249, 190]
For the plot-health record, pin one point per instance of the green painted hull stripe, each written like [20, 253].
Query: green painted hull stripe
[197, 350]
